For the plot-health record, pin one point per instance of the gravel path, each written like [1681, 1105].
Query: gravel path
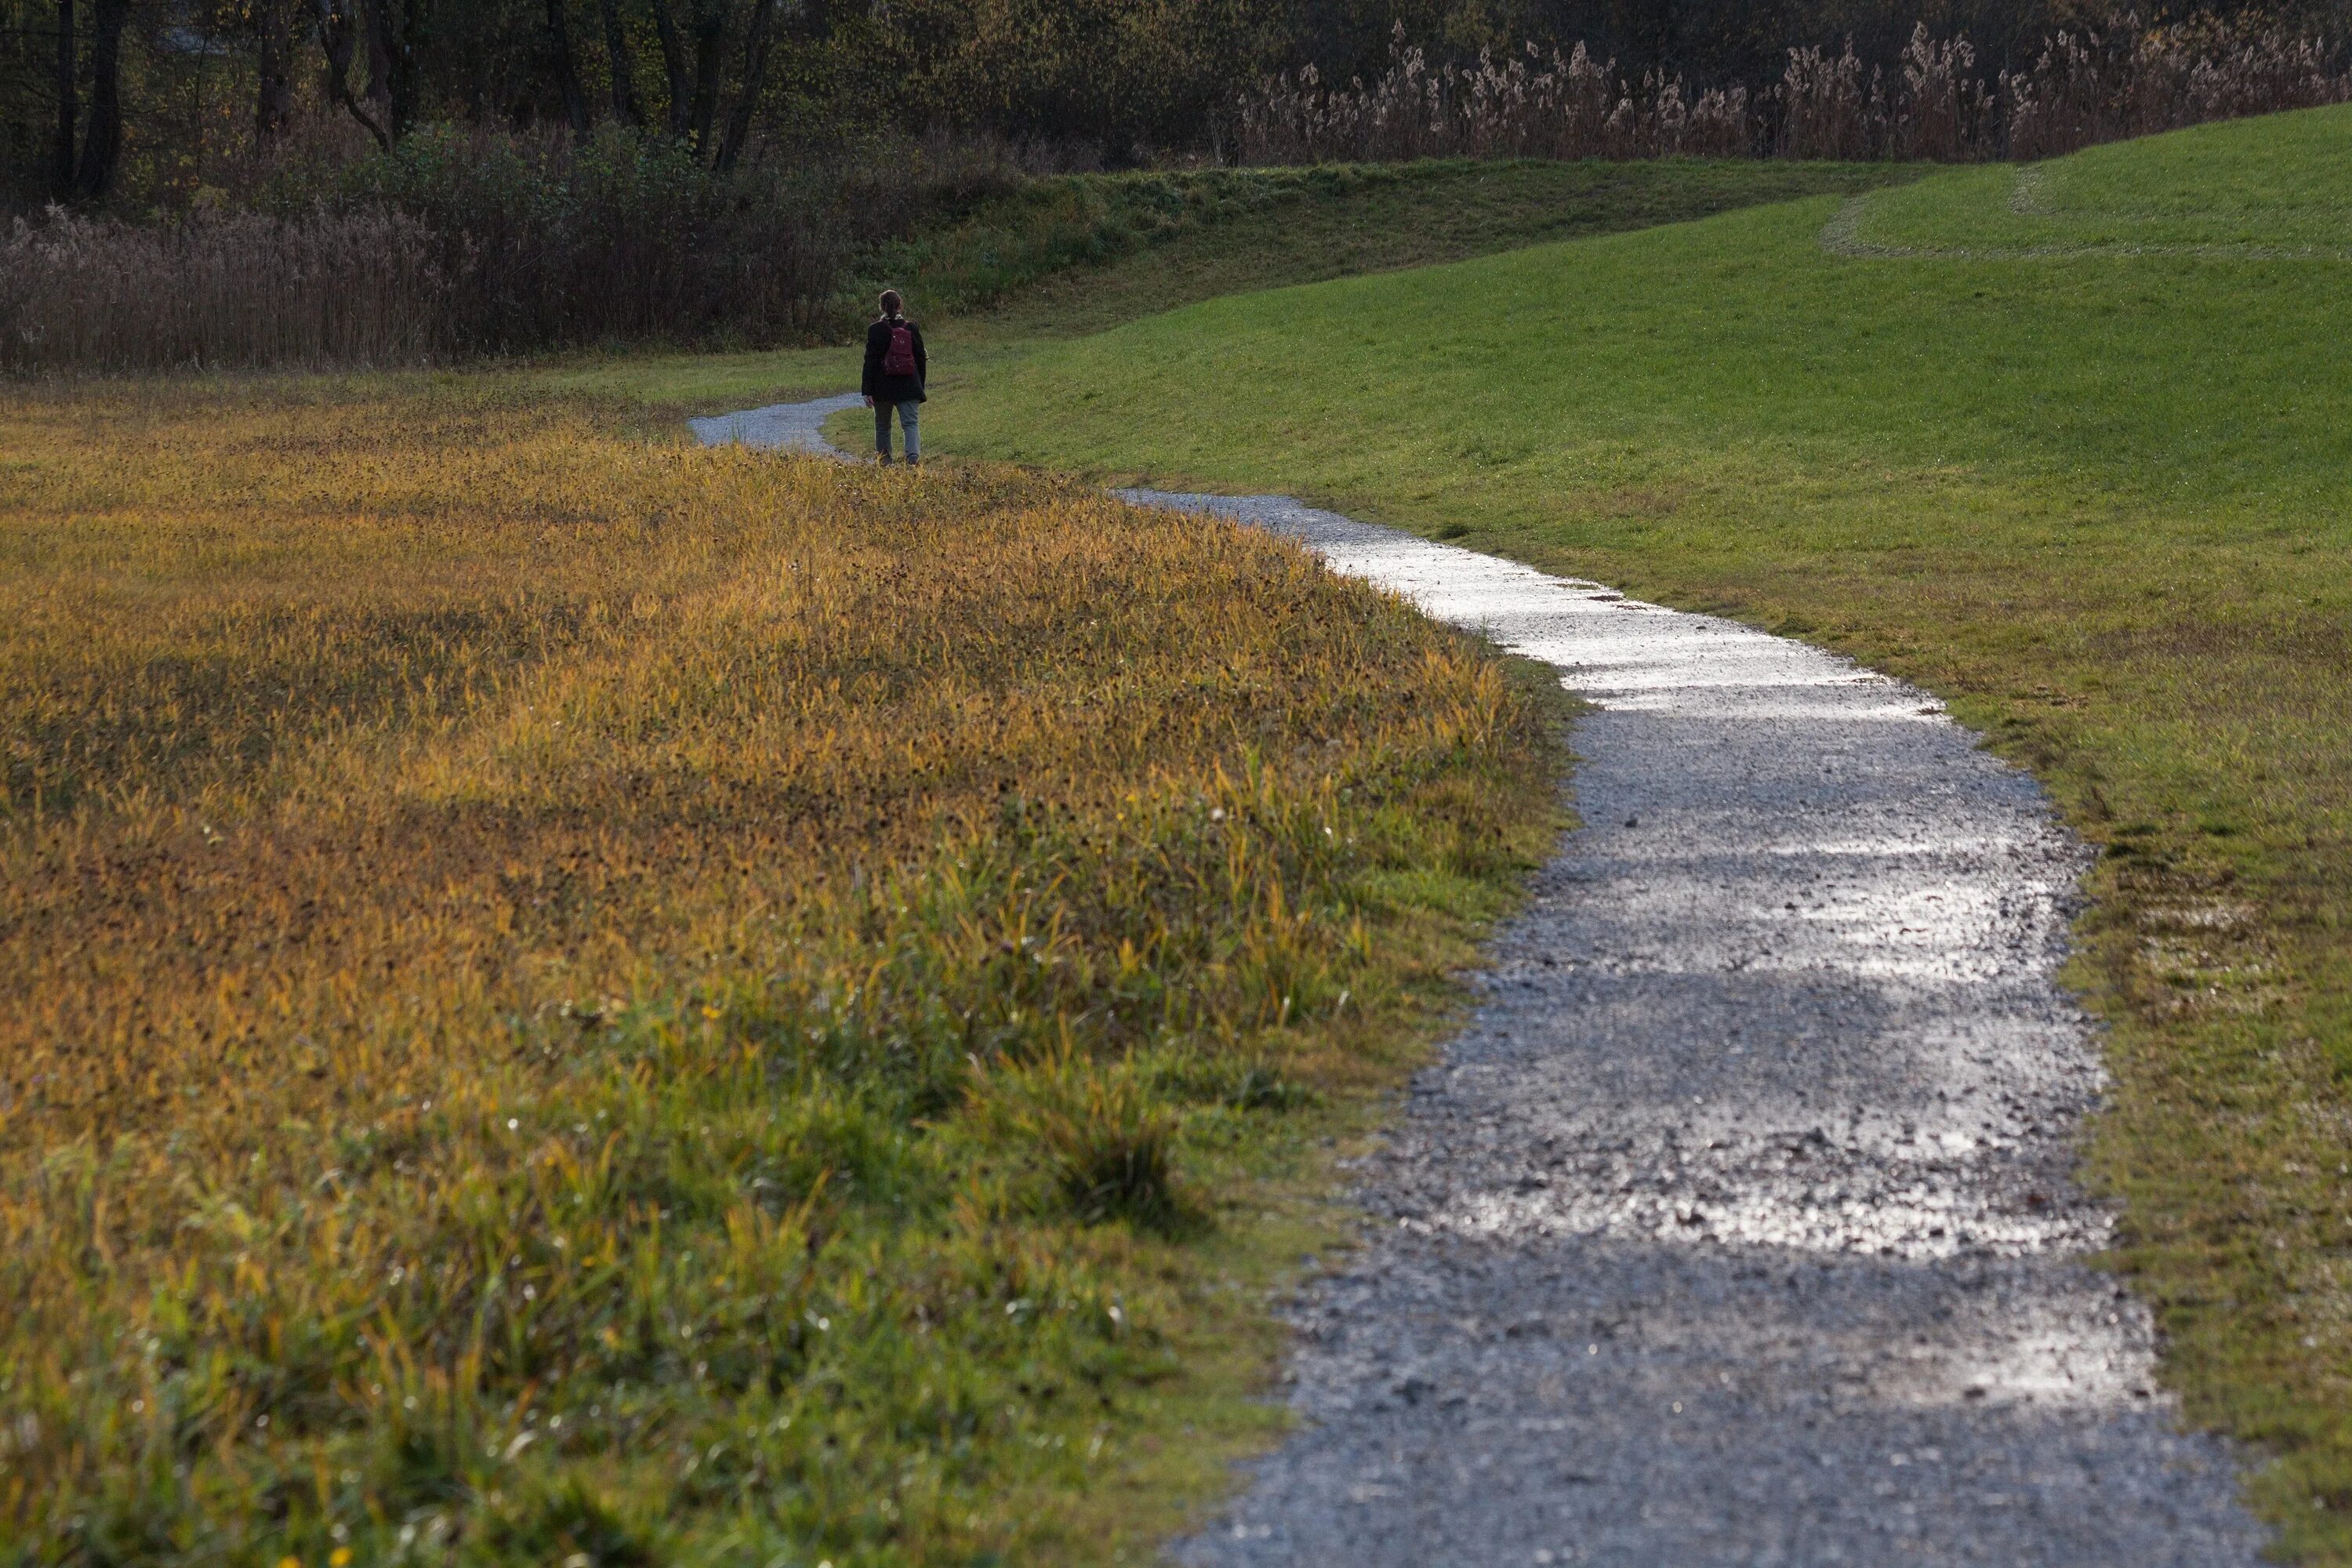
[1736, 1225]
[782, 427]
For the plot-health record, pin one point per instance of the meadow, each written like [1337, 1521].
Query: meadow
[568, 999]
[2071, 446]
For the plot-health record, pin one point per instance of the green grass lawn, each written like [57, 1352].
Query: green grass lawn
[2085, 466]
[2279, 185]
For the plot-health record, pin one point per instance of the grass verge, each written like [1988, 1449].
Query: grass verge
[2096, 493]
[567, 1000]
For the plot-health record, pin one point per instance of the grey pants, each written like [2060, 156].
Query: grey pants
[910, 419]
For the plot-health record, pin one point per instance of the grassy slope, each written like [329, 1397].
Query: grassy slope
[2101, 498]
[1084, 252]
[565, 996]
[2282, 187]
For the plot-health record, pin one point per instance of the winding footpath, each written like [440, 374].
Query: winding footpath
[1736, 1225]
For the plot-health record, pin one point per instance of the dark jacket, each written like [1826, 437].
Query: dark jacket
[893, 388]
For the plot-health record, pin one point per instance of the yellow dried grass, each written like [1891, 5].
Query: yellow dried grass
[456, 856]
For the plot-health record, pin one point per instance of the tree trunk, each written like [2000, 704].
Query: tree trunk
[101, 143]
[375, 20]
[674, 65]
[61, 165]
[567, 75]
[394, 27]
[709, 55]
[755, 71]
[621, 65]
[339, 36]
[273, 108]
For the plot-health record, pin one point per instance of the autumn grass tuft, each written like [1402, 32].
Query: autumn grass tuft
[566, 999]
[1108, 1138]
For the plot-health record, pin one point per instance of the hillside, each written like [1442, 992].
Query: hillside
[1080, 253]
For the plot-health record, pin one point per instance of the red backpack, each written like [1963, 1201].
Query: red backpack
[898, 359]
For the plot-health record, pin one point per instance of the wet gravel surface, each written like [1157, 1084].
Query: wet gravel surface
[1736, 1225]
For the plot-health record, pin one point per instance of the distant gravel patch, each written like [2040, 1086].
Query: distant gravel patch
[1737, 1225]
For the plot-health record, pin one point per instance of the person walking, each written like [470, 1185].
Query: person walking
[896, 367]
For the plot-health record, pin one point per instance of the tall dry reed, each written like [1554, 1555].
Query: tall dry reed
[360, 287]
[2125, 77]
[1533, 105]
[2128, 80]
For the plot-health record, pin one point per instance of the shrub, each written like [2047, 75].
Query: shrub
[628, 236]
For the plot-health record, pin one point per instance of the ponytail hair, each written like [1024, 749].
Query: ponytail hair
[891, 303]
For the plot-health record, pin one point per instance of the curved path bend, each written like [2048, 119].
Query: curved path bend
[1738, 1224]
[778, 427]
